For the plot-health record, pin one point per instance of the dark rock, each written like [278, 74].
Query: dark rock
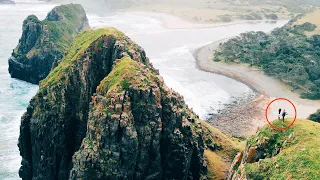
[131, 130]
[43, 43]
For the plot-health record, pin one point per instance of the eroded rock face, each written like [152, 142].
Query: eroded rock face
[259, 147]
[124, 130]
[43, 42]
[140, 132]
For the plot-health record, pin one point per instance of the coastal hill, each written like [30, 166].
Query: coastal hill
[43, 43]
[105, 112]
[289, 53]
[210, 11]
[289, 154]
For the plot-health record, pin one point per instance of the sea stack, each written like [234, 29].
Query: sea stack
[43, 43]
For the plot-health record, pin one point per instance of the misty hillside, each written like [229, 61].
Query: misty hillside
[210, 11]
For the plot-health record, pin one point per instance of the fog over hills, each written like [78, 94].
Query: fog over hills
[209, 11]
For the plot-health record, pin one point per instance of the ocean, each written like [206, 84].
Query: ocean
[170, 51]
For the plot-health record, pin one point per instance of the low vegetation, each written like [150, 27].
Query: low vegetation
[63, 31]
[297, 156]
[79, 45]
[315, 117]
[288, 54]
[125, 74]
[220, 151]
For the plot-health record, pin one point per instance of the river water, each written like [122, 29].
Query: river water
[169, 50]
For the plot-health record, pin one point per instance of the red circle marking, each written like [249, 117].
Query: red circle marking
[295, 114]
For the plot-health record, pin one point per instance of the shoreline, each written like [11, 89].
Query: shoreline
[231, 75]
[268, 87]
[175, 22]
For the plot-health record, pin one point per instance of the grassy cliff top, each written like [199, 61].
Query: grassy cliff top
[64, 23]
[78, 47]
[127, 73]
[298, 157]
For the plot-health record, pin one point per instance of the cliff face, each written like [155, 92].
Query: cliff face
[43, 43]
[94, 118]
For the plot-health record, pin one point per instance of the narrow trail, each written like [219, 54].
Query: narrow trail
[269, 88]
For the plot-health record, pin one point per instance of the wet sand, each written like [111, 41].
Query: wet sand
[174, 22]
[244, 119]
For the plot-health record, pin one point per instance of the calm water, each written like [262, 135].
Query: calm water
[169, 51]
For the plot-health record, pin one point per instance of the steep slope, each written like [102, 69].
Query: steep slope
[43, 43]
[289, 154]
[220, 151]
[105, 106]
[139, 129]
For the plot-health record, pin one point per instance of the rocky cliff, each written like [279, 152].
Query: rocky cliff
[105, 113]
[43, 43]
[272, 154]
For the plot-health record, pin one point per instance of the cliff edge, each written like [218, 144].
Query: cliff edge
[273, 154]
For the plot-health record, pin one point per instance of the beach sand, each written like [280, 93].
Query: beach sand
[245, 119]
[174, 22]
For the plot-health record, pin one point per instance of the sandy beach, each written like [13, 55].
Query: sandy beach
[241, 120]
[268, 88]
[174, 22]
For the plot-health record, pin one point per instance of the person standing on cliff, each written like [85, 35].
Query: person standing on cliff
[279, 114]
[284, 113]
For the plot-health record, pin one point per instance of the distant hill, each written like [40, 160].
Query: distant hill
[212, 11]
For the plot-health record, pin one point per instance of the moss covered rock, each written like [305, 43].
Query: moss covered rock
[288, 154]
[43, 43]
[105, 113]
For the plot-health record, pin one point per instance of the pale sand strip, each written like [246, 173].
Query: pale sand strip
[268, 87]
[174, 22]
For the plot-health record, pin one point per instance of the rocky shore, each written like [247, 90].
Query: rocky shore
[253, 115]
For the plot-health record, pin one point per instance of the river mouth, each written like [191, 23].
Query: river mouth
[168, 49]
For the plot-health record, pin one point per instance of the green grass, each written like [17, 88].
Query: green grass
[298, 158]
[55, 35]
[219, 160]
[79, 45]
[127, 73]
[64, 31]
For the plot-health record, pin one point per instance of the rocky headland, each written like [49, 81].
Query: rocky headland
[104, 112]
[43, 43]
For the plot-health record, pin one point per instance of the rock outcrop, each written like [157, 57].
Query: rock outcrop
[43, 43]
[105, 113]
[288, 154]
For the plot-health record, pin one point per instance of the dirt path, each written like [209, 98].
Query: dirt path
[268, 87]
